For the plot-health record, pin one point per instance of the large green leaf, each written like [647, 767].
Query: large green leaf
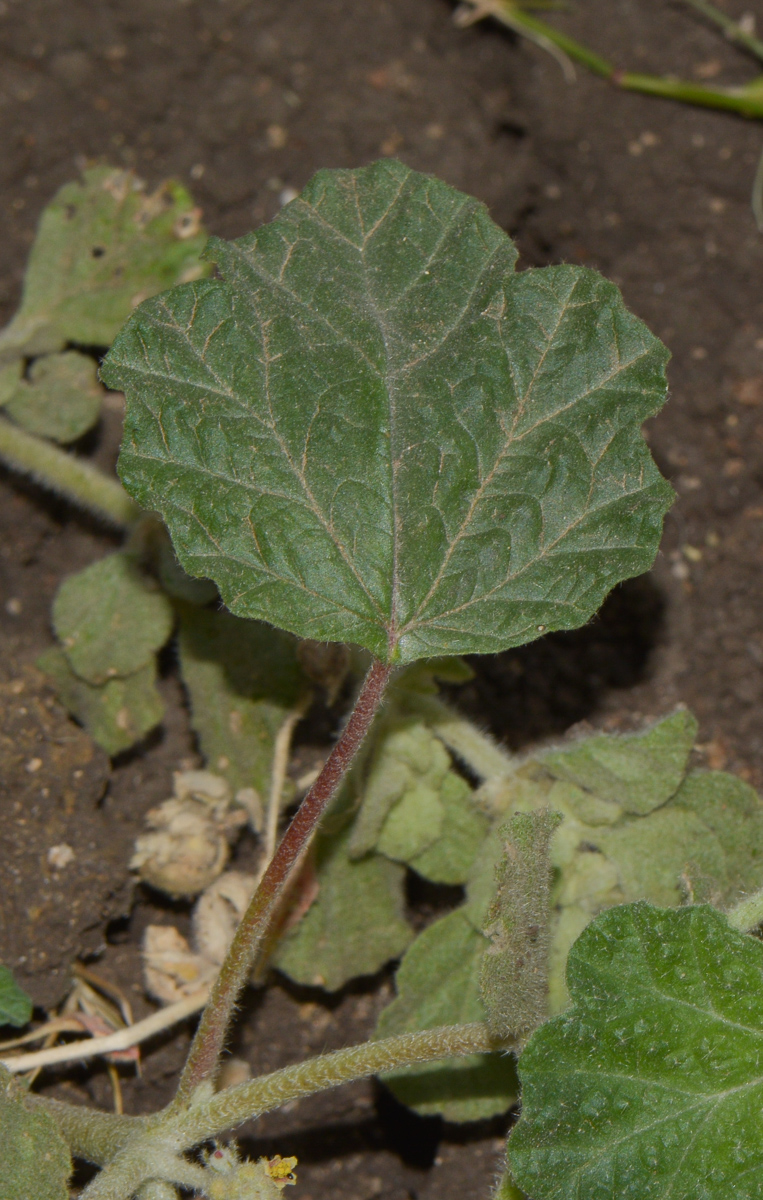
[15, 1005]
[371, 430]
[438, 984]
[651, 1085]
[35, 1163]
[102, 245]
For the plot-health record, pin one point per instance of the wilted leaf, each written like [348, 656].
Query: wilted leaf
[514, 976]
[438, 984]
[110, 619]
[450, 858]
[35, 1163]
[650, 1085]
[242, 678]
[640, 771]
[15, 1005]
[371, 430]
[61, 399]
[10, 378]
[733, 811]
[102, 246]
[355, 925]
[116, 714]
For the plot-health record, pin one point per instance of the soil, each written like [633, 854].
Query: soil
[243, 100]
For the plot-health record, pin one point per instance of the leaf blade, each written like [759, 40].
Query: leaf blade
[372, 430]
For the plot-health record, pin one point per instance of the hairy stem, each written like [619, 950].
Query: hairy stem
[237, 1104]
[67, 475]
[210, 1036]
[95, 1136]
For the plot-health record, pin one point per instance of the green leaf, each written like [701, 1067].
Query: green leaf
[449, 859]
[650, 1086]
[102, 246]
[35, 1163]
[733, 811]
[355, 925]
[110, 619]
[15, 1005]
[514, 976]
[116, 714]
[438, 984]
[639, 771]
[242, 679]
[371, 430]
[61, 399]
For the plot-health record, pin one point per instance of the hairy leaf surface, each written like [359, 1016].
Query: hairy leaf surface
[110, 619]
[35, 1163]
[371, 430]
[61, 399]
[101, 244]
[651, 1085]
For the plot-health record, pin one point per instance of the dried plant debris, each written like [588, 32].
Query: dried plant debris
[188, 843]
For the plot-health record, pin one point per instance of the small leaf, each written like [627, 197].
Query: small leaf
[35, 1163]
[355, 925]
[514, 978]
[438, 984]
[110, 619]
[61, 399]
[639, 771]
[733, 811]
[116, 714]
[102, 245]
[650, 1085]
[242, 678]
[15, 1005]
[450, 858]
[369, 429]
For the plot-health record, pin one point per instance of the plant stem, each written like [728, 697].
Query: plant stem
[61, 472]
[737, 100]
[278, 771]
[210, 1036]
[92, 1135]
[732, 29]
[235, 1105]
[748, 914]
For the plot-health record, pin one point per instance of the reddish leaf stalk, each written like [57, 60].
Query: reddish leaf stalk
[235, 971]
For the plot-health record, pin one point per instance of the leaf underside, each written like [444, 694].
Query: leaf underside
[372, 430]
[652, 1084]
[15, 1004]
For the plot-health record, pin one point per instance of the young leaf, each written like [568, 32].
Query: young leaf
[35, 1163]
[650, 1085]
[639, 771]
[60, 400]
[449, 859]
[438, 984]
[116, 714]
[110, 619]
[15, 1005]
[242, 678]
[371, 430]
[514, 978]
[354, 926]
[100, 245]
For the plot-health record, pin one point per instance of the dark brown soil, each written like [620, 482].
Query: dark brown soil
[242, 99]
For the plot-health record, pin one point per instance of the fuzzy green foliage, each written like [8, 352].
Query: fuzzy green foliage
[35, 1163]
[649, 1086]
[15, 1004]
[101, 245]
[116, 714]
[110, 619]
[436, 455]
[514, 978]
[61, 398]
